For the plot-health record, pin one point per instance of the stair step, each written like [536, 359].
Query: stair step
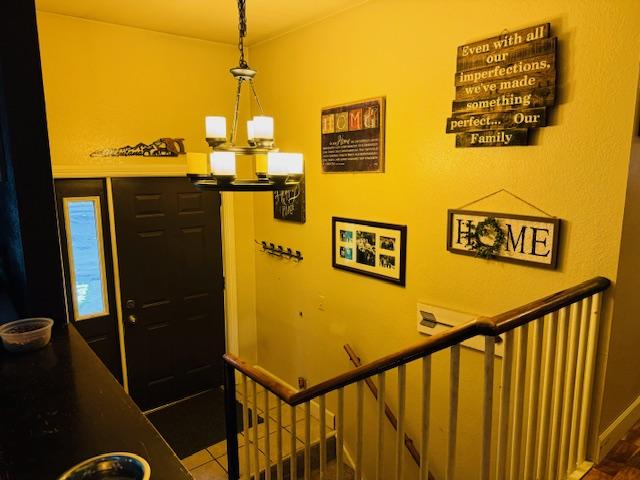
[332, 472]
[315, 463]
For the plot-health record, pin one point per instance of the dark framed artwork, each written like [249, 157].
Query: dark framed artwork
[352, 136]
[528, 240]
[370, 248]
[290, 205]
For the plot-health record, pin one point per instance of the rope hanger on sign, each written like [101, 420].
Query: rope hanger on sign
[510, 193]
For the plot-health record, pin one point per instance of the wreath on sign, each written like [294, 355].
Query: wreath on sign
[489, 227]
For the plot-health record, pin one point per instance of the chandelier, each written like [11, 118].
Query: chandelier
[274, 170]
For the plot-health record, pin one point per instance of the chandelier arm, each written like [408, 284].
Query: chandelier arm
[255, 95]
[236, 111]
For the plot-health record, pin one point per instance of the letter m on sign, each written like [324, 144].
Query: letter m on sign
[512, 243]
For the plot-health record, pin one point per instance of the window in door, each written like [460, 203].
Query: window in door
[86, 257]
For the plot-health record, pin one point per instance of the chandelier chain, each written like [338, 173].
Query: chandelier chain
[242, 30]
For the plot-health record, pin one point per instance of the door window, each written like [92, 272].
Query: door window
[86, 257]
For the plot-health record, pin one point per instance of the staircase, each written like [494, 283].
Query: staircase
[544, 410]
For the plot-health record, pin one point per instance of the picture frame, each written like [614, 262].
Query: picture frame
[529, 240]
[374, 249]
[353, 137]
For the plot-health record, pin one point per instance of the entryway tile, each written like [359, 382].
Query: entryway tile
[209, 471]
[220, 448]
[197, 459]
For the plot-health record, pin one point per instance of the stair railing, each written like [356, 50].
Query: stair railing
[544, 419]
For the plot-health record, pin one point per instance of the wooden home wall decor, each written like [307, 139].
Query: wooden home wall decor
[353, 137]
[504, 85]
[527, 240]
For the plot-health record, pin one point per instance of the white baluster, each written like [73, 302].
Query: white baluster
[280, 469]
[307, 441]
[583, 329]
[487, 406]
[359, 427]
[535, 360]
[505, 404]
[323, 436]
[558, 385]
[294, 452]
[454, 379]
[267, 437]
[569, 387]
[550, 334]
[256, 451]
[380, 429]
[518, 402]
[402, 381]
[426, 408]
[245, 426]
[340, 435]
[590, 362]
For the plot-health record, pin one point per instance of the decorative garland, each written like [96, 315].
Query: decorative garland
[488, 227]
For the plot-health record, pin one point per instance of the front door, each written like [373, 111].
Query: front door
[170, 261]
[86, 251]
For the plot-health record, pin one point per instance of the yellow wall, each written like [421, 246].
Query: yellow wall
[576, 170]
[109, 86]
[621, 388]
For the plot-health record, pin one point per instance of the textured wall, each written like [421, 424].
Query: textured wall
[406, 50]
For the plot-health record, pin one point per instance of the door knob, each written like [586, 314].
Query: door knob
[131, 319]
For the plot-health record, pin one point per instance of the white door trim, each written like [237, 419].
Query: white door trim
[227, 215]
[116, 283]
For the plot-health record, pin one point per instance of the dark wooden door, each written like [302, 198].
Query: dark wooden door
[85, 241]
[170, 261]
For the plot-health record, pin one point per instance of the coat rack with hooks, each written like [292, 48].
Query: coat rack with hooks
[280, 251]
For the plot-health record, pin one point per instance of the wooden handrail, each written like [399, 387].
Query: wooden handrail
[488, 326]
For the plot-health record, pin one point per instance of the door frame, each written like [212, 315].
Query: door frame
[228, 249]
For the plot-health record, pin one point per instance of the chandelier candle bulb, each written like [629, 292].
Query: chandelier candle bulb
[216, 127]
[295, 164]
[263, 127]
[223, 166]
[250, 130]
[277, 164]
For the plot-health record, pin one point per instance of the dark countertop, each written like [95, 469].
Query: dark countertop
[60, 405]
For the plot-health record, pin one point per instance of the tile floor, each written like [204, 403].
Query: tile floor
[622, 462]
[211, 463]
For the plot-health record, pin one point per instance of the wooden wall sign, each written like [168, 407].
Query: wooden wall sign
[353, 137]
[504, 85]
[291, 204]
[527, 240]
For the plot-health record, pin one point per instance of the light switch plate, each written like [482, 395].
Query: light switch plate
[432, 320]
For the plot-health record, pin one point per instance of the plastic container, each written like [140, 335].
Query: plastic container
[26, 335]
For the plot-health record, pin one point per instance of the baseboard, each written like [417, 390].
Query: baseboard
[621, 425]
[581, 471]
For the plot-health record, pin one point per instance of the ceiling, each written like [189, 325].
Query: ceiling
[214, 20]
